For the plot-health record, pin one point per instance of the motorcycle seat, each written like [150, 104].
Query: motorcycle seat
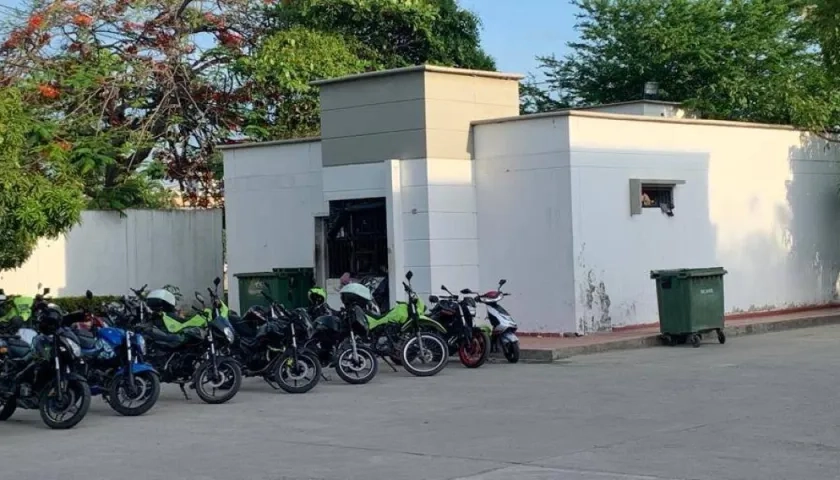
[158, 336]
[376, 316]
[87, 340]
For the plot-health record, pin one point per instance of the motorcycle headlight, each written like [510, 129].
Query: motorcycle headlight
[140, 342]
[228, 334]
[74, 347]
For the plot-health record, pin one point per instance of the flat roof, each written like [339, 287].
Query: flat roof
[628, 102]
[633, 118]
[419, 68]
[269, 143]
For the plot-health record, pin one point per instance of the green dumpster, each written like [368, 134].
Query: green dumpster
[295, 284]
[690, 304]
[251, 286]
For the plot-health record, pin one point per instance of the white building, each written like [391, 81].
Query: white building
[469, 192]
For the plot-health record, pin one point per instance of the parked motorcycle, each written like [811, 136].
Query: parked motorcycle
[191, 357]
[44, 376]
[270, 343]
[504, 327]
[338, 339]
[456, 314]
[114, 365]
[420, 343]
[15, 306]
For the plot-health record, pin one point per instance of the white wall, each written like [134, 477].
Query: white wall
[771, 219]
[272, 194]
[523, 201]
[108, 254]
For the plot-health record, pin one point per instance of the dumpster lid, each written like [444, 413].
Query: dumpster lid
[254, 275]
[688, 272]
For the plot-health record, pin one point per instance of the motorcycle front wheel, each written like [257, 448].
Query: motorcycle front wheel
[70, 410]
[145, 396]
[217, 388]
[430, 361]
[359, 370]
[511, 351]
[473, 353]
[8, 409]
[298, 376]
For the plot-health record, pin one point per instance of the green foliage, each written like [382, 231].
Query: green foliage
[741, 60]
[94, 305]
[316, 39]
[39, 195]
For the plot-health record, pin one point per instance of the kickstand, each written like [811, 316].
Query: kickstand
[325, 377]
[389, 364]
[271, 383]
[184, 391]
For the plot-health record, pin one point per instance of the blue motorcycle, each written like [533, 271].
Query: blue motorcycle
[115, 366]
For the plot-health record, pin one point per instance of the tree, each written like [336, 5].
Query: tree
[140, 86]
[315, 39]
[39, 193]
[725, 59]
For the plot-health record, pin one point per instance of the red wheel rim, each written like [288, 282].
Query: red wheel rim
[471, 354]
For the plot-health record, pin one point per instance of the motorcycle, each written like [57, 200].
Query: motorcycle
[419, 341]
[504, 327]
[114, 365]
[44, 376]
[456, 314]
[337, 341]
[17, 310]
[193, 356]
[270, 344]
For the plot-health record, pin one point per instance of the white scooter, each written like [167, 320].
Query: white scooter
[504, 327]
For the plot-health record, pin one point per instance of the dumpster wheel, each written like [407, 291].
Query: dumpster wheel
[721, 336]
[695, 340]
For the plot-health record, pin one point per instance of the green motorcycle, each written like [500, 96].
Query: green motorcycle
[405, 334]
[15, 306]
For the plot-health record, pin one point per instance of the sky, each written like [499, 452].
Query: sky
[515, 31]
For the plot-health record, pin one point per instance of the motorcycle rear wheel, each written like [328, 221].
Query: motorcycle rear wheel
[345, 366]
[475, 353]
[438, 355]
[149, 386]
[286, 371]
[203, 378]
[77, 392]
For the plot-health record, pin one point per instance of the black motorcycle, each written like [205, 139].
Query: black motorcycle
[337, 340]
[193, 357]
[44, 376]
[457, 315]
[270, 343]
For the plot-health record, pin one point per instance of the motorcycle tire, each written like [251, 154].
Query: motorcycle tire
[511, 351]
[411, 343]
[79, 391]
[151, 385]
[345, 355]
[233, 372]
[469, 358]
[8, 409]
[308, 360]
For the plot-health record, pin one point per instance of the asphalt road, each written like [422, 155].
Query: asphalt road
[762, 407]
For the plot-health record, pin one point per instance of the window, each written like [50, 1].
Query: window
[658, 194]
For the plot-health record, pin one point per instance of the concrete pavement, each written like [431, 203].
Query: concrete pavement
[761, 407]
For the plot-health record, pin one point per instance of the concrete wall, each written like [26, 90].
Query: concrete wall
[523, 198]
[272, 194]
[109, 254]
[761, 202]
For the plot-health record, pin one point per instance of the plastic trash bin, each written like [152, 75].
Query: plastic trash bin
[690, 304]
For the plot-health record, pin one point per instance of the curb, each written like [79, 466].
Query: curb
[652, 340]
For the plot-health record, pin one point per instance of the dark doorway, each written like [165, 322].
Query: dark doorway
[357, 238]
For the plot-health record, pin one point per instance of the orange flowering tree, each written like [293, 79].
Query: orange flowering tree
[141, 89]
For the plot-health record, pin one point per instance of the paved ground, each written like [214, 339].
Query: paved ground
[762, 407]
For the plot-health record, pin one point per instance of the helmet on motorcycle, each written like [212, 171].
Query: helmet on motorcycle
[355, 294]
[49, 319]
[317, 296]
[161, 300]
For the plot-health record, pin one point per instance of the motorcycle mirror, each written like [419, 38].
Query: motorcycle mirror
[217, 281]
[199, 297]
[47, 291]
[502, 282]
[2, 292]
[433, 298]
[89, 295]
[466, 291]
[409, 275]
[443, 287]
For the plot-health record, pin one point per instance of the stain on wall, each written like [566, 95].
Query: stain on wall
[593, 300]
